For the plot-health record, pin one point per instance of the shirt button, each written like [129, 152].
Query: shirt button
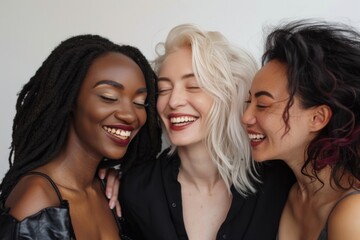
[173, 204]
[224, 236]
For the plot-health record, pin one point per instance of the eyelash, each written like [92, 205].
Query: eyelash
[258, 106]
[109, 99]
[261, 106]
[194, 89]
[142, 105]
[163, 91]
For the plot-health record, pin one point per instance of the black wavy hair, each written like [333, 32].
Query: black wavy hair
[43, 108]
[323, 67]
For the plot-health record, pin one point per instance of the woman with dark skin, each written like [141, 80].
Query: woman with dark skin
[304, 108]
[90, 99]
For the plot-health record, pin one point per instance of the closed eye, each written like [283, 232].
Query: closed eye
[164, 91]
[108, 98]
[261, 106]
[141, 104]
[258, 105]
[194, 89]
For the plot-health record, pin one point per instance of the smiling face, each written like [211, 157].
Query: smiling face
[182, 105]
[264, 117]
[110, 108]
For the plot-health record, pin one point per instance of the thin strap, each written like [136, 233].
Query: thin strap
[50, 180]
[345, 196]
[324, 232]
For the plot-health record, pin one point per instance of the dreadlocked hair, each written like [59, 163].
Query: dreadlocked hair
[43, 107]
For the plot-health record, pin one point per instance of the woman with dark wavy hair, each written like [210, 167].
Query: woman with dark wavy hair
[91, 99]
[304, 108]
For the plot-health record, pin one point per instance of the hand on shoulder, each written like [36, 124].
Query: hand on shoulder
[344, 221]
[30, 195]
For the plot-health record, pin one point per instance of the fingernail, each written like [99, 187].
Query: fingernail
[108, 194]
[112, 204]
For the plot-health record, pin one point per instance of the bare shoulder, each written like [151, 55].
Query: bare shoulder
[30, 195]
[344, 221]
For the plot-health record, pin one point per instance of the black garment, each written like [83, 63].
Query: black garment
[48, 223]
[150, 198]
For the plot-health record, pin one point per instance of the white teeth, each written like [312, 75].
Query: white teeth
[185, 119]
[123, 134]
[256, 137]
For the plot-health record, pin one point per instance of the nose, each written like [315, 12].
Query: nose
[248, 118]
[125, 112]
[177, 97]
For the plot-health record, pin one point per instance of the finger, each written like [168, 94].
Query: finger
[118, 208]
[114, 202]
[110, 181]
[102, 173]
[116, 187]
[115, 191]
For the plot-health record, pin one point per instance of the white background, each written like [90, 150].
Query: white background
[30, 29]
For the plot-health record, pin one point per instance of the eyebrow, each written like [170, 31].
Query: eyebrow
[263, 93]
[109, 82]
[117, 85]
[189, 75]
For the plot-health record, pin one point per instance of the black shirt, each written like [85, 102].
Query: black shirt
[150, 198]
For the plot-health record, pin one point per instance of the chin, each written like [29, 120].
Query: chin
[116, 155]
[258, 158]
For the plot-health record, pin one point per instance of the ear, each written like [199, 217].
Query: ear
[320, 117]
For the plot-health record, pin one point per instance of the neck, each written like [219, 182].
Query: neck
[74, 168]
[324, 190]
[197, 168]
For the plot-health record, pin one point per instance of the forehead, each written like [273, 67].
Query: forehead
[177, 62]
[112, 62]
[272, 77]
[115, 67]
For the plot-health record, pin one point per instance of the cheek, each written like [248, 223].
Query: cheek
[271, 122]
[160, 104]
[85, 114]
[142, 116]
[204, 103]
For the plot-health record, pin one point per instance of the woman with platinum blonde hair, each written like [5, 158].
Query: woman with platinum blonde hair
[205, 185]
[224, 73]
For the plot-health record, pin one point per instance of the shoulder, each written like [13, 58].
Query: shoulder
[344, 220]
[30, 195]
